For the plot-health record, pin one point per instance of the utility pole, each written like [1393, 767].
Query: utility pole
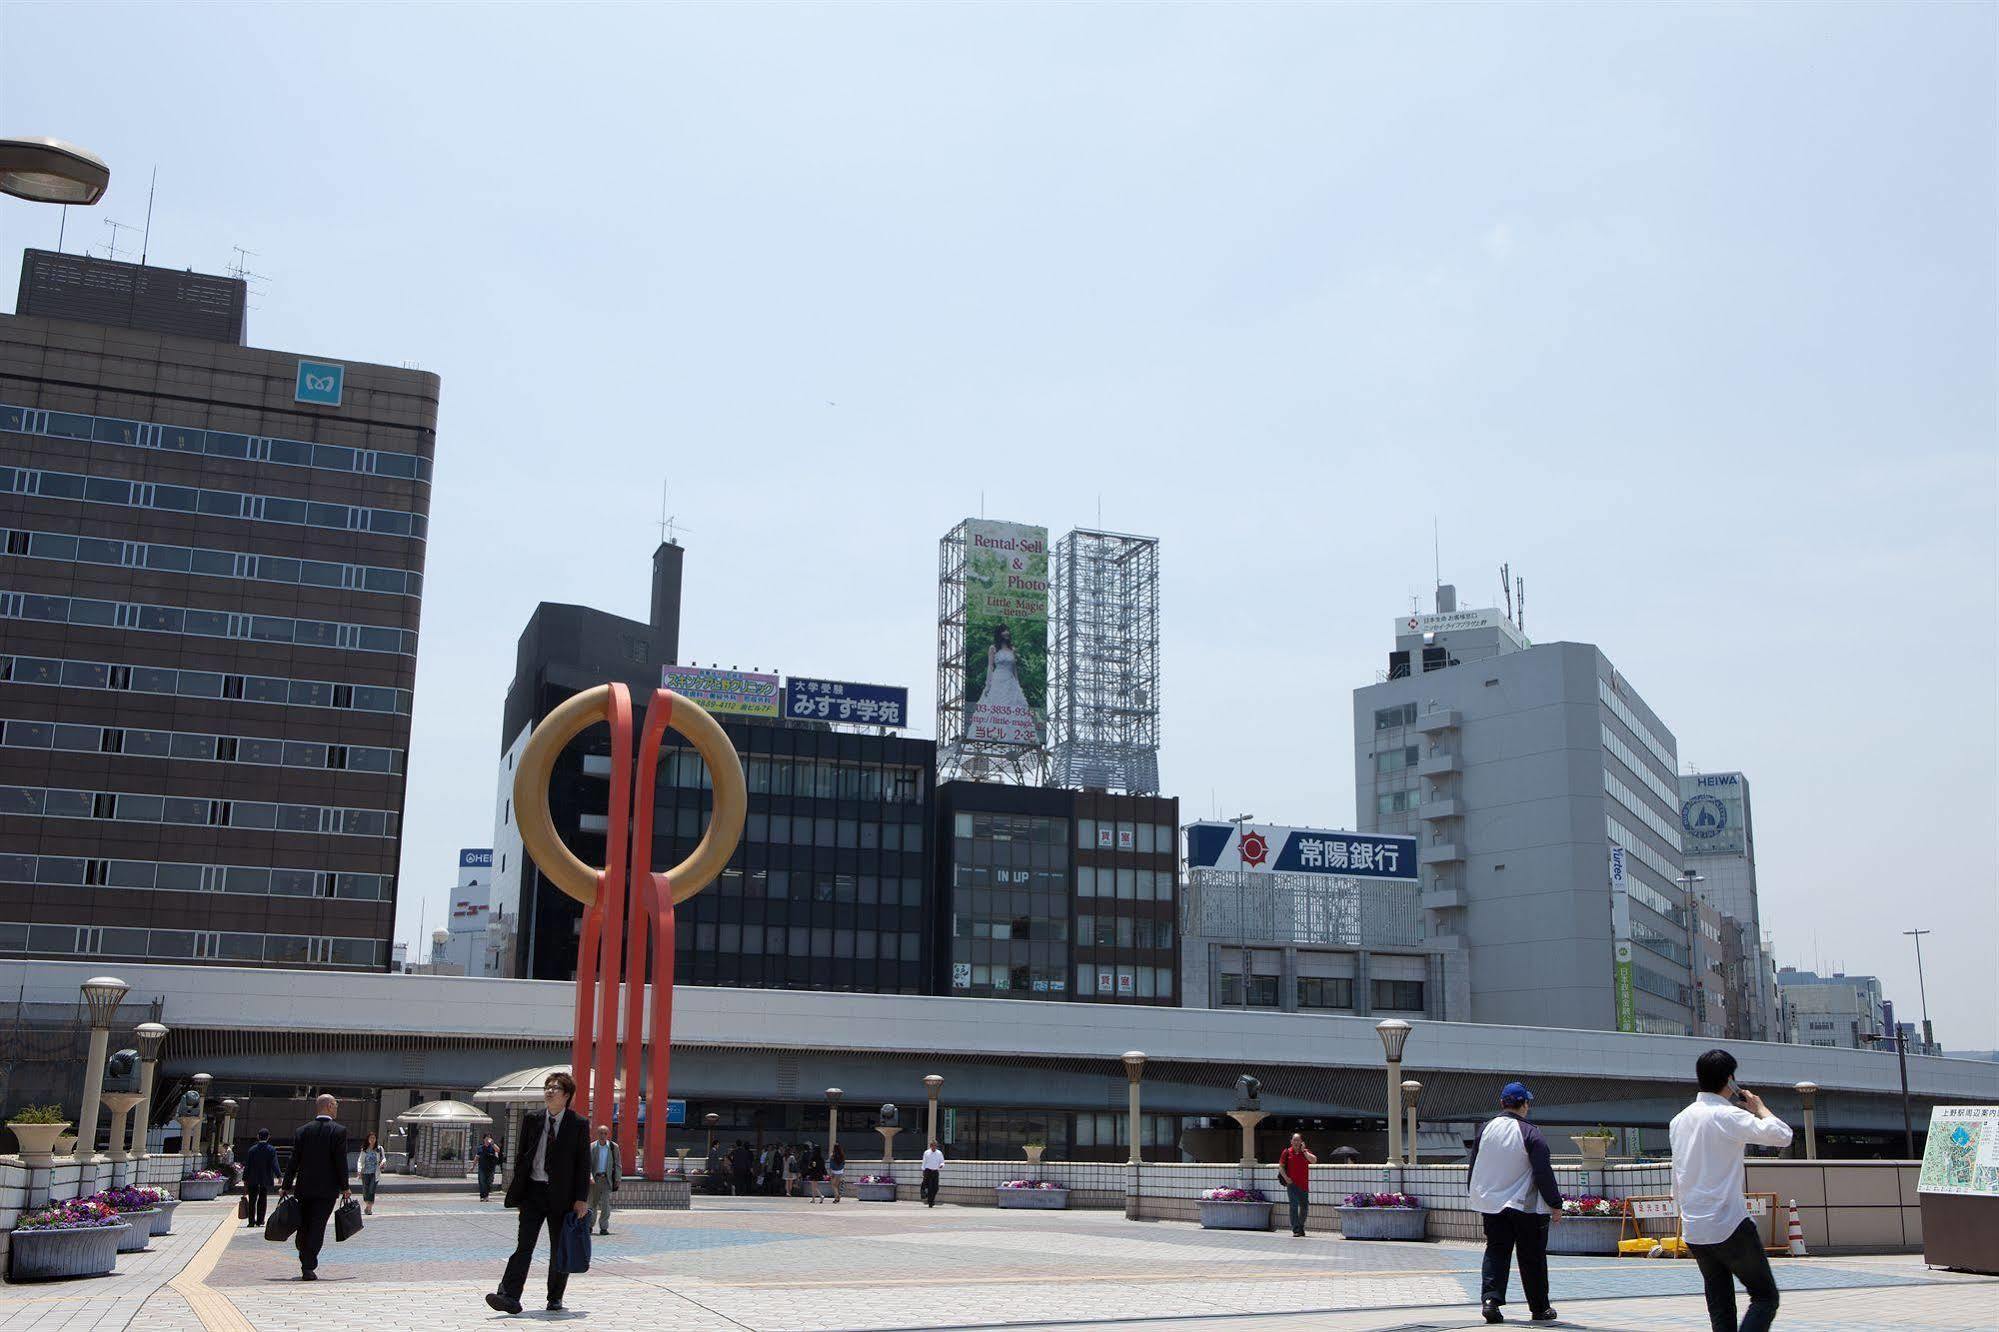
[1242, 903]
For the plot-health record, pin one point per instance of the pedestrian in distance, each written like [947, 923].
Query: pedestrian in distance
[370, 1164]
[933, 1173]
[551, 1180]
[815, 1174]
[740, 1163]
[791, 1172]
[489, 1161]
[604, 1170]
[1295, 1164]
[1708, 1140]
[260, 1176]
[1512, 1186]
[836, 1169]
[317, 1177]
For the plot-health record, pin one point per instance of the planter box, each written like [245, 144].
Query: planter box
[1384, 1223]
[38, 1142]
[163, 1216]
[45, 1255]
[1039, 1200]
[138, 1231]
[1235, 1215]
[1585, 1234]
[200, 1190]
[875, 1192]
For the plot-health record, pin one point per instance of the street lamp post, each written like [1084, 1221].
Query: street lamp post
[1134, 1069]
[1242, 906]
[1808, 1092]
[102, 995]
[1394, 1033]
[833, 1095]
[1902, 1060]
[711, 1119]
[150, 1035]
[1411, 1090]
[200, 1081]
[932, 1086]
[228, 1140]
[44, 170]
[1929, 1036]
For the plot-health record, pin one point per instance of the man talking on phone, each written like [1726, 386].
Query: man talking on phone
[1708, 1138]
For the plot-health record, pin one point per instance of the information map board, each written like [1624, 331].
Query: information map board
[1962, 1155]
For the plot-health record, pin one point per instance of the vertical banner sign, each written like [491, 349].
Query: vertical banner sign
[1620, 933]
[1006, 633]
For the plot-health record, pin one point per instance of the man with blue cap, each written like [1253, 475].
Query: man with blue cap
[1513, 1188]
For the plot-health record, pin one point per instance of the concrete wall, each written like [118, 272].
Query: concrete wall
[68, 1178]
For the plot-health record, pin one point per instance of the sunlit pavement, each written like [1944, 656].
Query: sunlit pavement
[425, 1261]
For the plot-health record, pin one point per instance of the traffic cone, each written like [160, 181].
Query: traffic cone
[1797, 1234]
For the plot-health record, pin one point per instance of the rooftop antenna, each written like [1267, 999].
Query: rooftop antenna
[146, 239]
[62, 228]
[667, 526]
[1506, 588]
[1520, 604]
[241, 272]
[111, 249]
[1437, 550]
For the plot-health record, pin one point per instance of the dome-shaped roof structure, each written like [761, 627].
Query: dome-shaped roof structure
[449, 1113]
[523, 1087]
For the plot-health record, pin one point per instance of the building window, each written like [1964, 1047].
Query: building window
[1397, 996]
[1392, 803]
[1334, 992]
[1262, 991]
[1388, 718]
[1395, 760]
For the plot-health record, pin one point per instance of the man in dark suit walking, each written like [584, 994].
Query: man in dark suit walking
[260, 1173]
[551, 1179]
[317, 1177]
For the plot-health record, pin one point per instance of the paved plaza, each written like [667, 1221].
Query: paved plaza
[770, 1265]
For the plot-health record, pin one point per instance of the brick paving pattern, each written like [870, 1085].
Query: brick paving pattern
[766, 1265]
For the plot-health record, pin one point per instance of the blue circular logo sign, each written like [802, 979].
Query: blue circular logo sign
[1704, 817]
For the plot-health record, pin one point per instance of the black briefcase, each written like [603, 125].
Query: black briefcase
[282, 1223]
[346, 1220]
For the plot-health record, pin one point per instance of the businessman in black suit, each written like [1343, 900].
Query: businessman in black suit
[317, 1177]
[260, 1173]
[551, 1179]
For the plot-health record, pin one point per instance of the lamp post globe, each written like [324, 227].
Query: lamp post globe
[1394, 1033]
[150, 1035]
[44, 170]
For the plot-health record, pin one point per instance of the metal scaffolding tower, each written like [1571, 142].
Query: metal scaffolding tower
[1103, 663]
[958, 756]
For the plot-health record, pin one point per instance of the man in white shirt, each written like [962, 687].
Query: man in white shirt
[1708, 1138]
[933, 1168]
[1513, 1188]
[604, 1170]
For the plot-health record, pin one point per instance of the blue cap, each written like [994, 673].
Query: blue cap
[1515, 1093]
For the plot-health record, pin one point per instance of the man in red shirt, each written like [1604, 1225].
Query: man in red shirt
[1294, 1165]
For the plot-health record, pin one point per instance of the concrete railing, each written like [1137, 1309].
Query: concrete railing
[67, 1179]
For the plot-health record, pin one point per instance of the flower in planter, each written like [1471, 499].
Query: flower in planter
[1233, 1195]
[1380, 1200]
[1589, 1204]
[1030, 1184]
[208, 1174]
[129, 1199]
[877, 1179]
[77, 1214]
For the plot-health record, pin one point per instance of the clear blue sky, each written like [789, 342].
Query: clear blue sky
[1689, 313]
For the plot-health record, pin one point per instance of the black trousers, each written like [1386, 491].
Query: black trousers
[1740, 1257]
[931, 1179]
[311, 1237]
[1508, 1233]
[485, 1180]
[537, 1213]
[259, 1196]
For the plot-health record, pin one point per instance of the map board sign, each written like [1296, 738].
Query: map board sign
[1962, 1154]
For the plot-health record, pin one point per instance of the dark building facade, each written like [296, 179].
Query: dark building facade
[209, 600]
[1057, 894]
[830, 888]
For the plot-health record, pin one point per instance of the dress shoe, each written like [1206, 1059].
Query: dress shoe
[308, 1276]
[555, 1306]
[1491, 1312]
[503, 1302]
[1547, 1315]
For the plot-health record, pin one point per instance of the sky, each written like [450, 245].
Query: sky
[1686, 312]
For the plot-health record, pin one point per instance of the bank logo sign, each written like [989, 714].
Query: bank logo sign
[1270, 850]
[320, 383]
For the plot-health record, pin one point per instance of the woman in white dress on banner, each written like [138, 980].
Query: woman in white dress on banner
[1002, 712]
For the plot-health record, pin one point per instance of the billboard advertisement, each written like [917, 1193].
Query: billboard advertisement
[1620, 933]
[841, 701]
[1712, 817]
[1006, 633]
[1301, 851]
[724, 693]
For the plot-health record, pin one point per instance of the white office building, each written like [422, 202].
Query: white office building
[1718, 836]
[1837, 1011]
[468, 948]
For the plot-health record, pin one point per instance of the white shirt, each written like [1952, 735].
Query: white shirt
[538, 1169]
[1708, 1138]
[1503, 1176]
[933, 1159]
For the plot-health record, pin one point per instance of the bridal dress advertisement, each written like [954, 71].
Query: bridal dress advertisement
[1006, 633]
